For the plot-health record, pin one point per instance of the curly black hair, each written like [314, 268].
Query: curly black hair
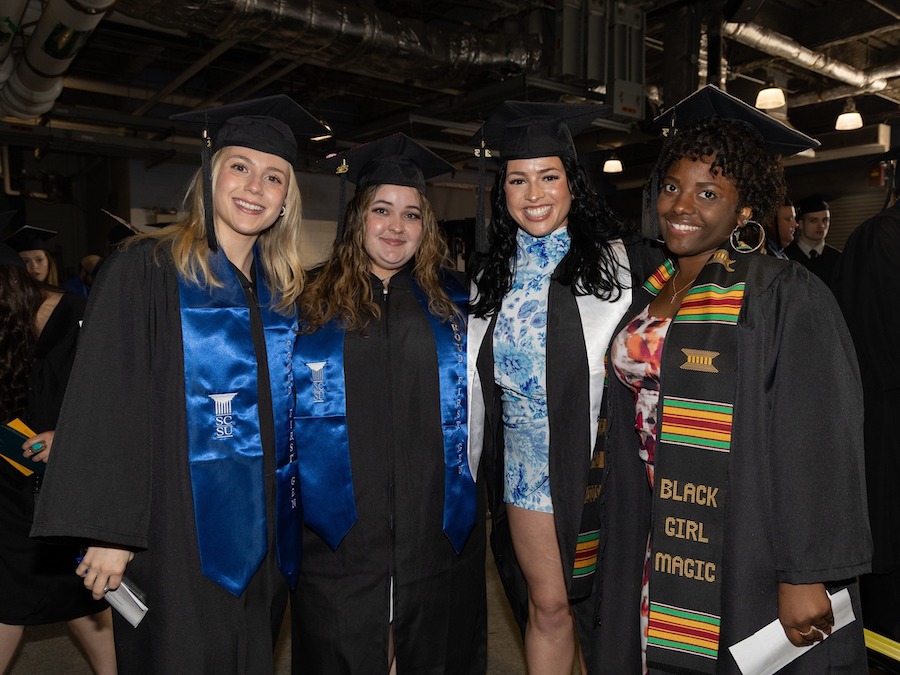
[20, 298]
[737, 151]
[590, 267]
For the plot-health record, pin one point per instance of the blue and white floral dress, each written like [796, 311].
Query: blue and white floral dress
[520, 369]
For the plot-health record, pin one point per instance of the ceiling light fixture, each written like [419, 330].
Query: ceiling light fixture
[770, 98]
[612, 165]
[849, 119]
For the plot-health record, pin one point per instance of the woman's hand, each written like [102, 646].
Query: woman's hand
[37, 448]
[102, 568]
[804, 611]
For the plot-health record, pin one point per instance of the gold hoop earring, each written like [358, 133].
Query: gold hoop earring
[740, 245]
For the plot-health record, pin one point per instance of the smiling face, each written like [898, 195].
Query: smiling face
[537, 194]
[697, 211]
[37, 263]
[786, 222]
[393, 228]
[249, 191]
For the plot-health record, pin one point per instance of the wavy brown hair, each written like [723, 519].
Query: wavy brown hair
[340, 289]
[20, 298]
[279, 245]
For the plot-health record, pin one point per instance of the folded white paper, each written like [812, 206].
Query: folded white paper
[127, 602]
[768, 650]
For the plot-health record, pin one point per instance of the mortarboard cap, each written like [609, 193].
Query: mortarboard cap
[29, 238]
[811, 204]
[524, 130]
[393, 160]
[9, 258]
[267, 124]
[779, 138]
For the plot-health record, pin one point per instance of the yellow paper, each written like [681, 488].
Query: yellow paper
[22, 428]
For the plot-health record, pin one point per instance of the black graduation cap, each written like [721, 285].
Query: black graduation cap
[9, 258]
[29, 238]
[392, 160]
[524, 130]
[811, 204]
[267, 124]
[779, 138]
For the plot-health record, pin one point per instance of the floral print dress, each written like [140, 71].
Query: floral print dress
[520, 369]
[636, 356]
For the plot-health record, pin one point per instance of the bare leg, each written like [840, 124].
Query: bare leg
[10, 637]
[550, 632]
[95, 635]
[392, 658]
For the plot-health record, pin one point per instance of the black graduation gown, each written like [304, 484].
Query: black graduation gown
[342, 601]
[796, 508]
[865, 283]
[120, 474]
[37, 580]
[822, 265]
[570, 417]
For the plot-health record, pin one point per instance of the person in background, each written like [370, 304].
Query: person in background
[735, 422]
[87, 272]
[31, 244]
[555, 280]
[38, 333]
[780, 230]
[809, 247]
[393, 545]
[174, 451]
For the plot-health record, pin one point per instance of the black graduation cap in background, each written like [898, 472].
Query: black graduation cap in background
[811, 204]
[524, 130]
[779, 138]
[9, 258]
[392, 160]
[28, 237]
[267, 124]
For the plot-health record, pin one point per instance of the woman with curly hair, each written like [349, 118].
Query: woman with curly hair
[734, 428]
[393, 545]
[38, 331]
[553, 284]
[174, 449]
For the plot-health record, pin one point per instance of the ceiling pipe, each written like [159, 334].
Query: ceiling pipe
[10, 19]
[345, 36]
[60, 33]
[776, 44]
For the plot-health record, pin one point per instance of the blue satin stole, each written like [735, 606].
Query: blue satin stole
[224, 446]
[329, 506]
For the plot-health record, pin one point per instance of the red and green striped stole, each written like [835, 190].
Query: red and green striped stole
[692, 459]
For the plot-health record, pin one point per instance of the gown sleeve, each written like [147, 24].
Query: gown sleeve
[97, 484]
[814, 462]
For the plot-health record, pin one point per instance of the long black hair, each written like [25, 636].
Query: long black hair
[589, 268]
[20, 298]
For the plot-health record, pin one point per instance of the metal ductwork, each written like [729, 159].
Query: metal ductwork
[344, 36]
[776, 44]
[60, 33]
[11, 15]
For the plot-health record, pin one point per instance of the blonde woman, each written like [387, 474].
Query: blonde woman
[173, 454]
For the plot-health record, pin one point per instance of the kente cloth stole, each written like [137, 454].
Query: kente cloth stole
[698, 384]
[224, 444]
[321, 427]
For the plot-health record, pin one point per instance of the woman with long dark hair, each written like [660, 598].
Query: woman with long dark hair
[735, 423]
[38, 331]
[555, 280]
[393, 544]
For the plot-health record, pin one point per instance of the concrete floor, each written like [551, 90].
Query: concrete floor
[48, 650]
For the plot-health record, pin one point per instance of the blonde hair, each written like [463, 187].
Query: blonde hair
[279, 245]
[341, 290]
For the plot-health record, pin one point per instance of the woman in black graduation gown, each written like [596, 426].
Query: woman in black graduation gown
[733, 493]
[393, 543]
[548, 293]
[173, 452]
[37, 585]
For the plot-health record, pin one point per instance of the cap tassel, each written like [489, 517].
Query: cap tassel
[341, 171]
[481, 239]
[206, 170]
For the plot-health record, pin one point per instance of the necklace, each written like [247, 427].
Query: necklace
[676, 293]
